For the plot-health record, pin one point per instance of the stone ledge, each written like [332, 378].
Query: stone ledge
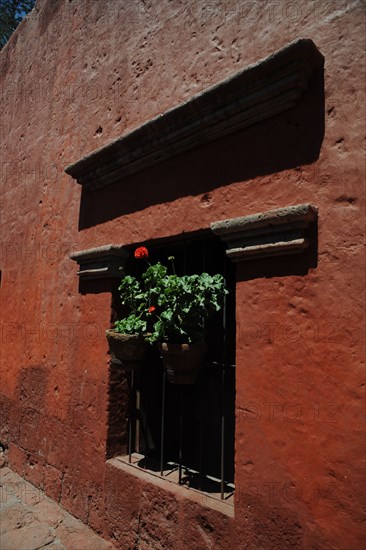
[271, 233]
[253, 94]
[101, 262]
[207, 500]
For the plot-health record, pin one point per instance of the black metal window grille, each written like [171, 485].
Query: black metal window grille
[188, 430]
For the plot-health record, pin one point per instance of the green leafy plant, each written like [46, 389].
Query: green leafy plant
[168, 307]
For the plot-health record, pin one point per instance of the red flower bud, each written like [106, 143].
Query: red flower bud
[151, 309]
[141, 253]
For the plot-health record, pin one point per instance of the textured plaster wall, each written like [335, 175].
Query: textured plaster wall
[77, 74]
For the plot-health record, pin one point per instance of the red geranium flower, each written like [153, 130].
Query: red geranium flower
[151, 309]
[141, 253]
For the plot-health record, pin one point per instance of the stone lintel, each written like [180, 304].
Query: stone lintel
[101, 262]
[254, 94]
[271, 233]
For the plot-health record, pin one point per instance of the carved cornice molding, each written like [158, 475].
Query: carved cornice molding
[102, 262]
[254, 94]
[271, 233]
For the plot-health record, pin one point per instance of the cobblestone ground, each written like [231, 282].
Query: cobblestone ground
[29, 520]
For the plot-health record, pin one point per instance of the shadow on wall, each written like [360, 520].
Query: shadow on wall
[21, 416]
[43, 437]
[285, 141]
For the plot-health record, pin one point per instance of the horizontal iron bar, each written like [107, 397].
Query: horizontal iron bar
[218, 364]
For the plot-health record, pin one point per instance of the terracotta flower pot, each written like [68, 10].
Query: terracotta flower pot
[182, 362]
[127, 350]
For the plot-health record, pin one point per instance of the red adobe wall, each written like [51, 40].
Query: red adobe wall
[76, 75]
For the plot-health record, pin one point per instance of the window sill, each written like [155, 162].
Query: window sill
[170, 483]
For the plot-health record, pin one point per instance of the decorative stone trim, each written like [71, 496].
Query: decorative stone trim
[271, 233]
[102, 262]
[253, 94]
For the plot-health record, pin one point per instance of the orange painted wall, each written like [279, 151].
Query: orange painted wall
[76, 75]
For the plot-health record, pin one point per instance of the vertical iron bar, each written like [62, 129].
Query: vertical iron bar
[137, 402]
[130, 418]
[181, 389]
[180, 434]
[222, 465]
[162, 427]
[222, 458]
[200, 460]
[200, 466]
[224, 313]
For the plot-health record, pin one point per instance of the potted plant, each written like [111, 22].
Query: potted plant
[127, 350]
[172, 311]
[126, 341]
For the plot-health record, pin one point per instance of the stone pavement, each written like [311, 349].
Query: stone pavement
[29, 520]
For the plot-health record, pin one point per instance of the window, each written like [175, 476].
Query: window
[186, 432]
